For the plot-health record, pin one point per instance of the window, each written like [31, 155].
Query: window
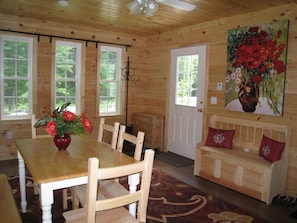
[186, 92]
[16, 76]
[67, 75]
[110, 76]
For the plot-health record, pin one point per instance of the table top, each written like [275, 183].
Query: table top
[47, 164]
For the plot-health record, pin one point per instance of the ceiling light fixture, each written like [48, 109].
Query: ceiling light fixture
[63, 3]
[148, 7]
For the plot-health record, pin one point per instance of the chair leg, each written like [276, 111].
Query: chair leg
[36, 189]
[65, 199]
[75, 201]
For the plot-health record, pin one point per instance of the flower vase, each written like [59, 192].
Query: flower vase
[62, 142]
[248, 96]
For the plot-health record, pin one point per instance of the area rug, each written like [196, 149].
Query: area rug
[294, 215]
[170, 201]
[174, 159]
[173, 201]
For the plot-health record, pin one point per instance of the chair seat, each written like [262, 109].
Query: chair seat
[107, 189]
[116, 215]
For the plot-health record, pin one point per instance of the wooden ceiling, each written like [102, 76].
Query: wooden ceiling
[114, 14]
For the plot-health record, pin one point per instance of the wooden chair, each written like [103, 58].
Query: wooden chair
[135, 140]
[112, 186]
[113, 209]
[114, 130]
[36, 189]
[34, 130]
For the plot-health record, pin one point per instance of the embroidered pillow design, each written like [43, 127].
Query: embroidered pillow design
[220, 138]
[271, 149]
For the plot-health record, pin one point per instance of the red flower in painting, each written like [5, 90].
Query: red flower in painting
[279, 66]
[256, 79]
[258, 54]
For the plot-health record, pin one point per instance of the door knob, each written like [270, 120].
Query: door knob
[200, 110]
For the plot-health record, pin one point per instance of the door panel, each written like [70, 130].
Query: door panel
[187, 81]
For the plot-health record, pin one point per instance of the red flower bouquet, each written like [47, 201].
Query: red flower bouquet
[62, 122]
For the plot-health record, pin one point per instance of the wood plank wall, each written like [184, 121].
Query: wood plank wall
[150, 56]
[214, 34]
[42, 83]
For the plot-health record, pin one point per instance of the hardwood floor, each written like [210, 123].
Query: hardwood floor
[273, 213]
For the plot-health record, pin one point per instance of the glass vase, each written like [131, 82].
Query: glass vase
[62, 142]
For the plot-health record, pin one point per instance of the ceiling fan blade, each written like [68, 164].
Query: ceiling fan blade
[178, 4]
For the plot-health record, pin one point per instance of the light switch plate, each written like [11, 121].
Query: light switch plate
[9, 135]
[213, 100]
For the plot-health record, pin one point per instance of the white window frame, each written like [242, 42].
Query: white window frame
[77, 78]
[118, 51]
[28, 40]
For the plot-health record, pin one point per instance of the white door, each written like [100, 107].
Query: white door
[187, 83]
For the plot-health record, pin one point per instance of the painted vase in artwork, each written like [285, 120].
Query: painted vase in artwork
[248, 96]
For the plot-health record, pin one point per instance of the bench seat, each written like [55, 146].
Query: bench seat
[241, 168]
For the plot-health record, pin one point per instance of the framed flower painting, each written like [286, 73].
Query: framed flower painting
[256, 66]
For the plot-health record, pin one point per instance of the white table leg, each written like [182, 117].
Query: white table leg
[46, 200]
[22, 180]
[133, 181]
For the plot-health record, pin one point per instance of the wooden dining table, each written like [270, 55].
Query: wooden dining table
[53, 169]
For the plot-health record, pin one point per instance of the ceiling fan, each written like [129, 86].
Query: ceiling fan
[149, 7]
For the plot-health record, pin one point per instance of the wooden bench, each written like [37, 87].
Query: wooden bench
[8, 209]
[242, 169]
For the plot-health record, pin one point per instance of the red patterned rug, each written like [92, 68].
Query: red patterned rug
[173, 201]
[170, 201]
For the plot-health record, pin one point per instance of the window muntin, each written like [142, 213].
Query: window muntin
[68, 75]
[16, 76]
[110, 76]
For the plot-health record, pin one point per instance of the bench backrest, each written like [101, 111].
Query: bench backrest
[248, 133]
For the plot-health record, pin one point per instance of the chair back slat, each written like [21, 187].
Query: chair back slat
[114, 130]
[137, 141]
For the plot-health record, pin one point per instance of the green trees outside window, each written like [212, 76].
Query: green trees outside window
[67, 74]
[109, 100]
[16, 76]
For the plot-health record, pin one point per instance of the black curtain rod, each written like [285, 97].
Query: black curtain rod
[63, 37]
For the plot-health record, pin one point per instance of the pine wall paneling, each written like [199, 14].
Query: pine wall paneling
[44, 66]
[214, 34]
[150, 56]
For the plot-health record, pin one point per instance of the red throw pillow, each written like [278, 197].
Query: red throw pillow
[220, 138]
[271, 149]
